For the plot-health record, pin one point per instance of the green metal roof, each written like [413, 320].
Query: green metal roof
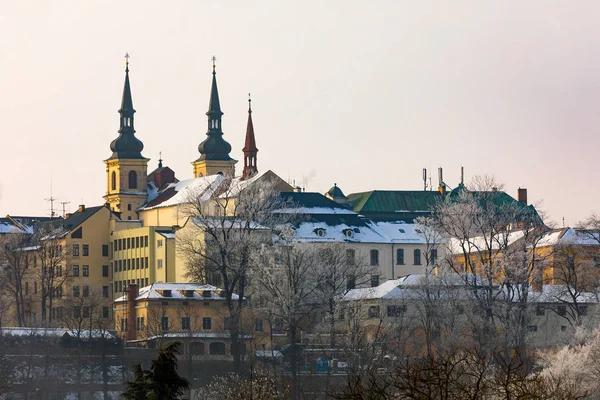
[394, 204]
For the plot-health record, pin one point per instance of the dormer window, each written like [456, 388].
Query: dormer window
[320, 232]
[206, 293]
[189, 293]
[402, 230]
[167, 293]
[349, 233]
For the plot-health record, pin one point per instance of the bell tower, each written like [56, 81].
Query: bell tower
[126, 169]
[214, 150]
[250, 150]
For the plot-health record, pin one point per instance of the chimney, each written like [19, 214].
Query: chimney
[522, 196]
[297, 189]
[131, 311]
[81, 208]
[67, 215]
[442, 185]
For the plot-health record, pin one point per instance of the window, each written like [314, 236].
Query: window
[146, 262]
[563, 328]
[217, 348]
[59, 271]
[75, 250]
[123, 324]
[374, 257]
[159, 263]
[395, 311]
[105, 271]
[86, 291]
[75, 270]
[417, 254]
[34, 287]
[132, 180]
[432, 256]
[75, 291]
[374, 280]
[350, 256]
[185, 322]
[145, 241]
[571, 262]
[104, 291]
[113, 181]
[104, 250]
[120, 265]
[137, 263]
[86, 250]
[128, 264]
[128, 243]
[137, 242]
[374, 312]
[76, 312]
[128, 207]
[86, 312]
[146, 282]
[259, 325]
[532, 328]
[207, 323]
[86, 270]
[165, 323]
[400, 256]
[198, 348]
[139, 323]
[539, 311]
[105, 312]
[350, 283]
[159, 243]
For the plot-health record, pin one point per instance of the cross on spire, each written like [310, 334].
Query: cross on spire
[127, 57]
[249, 103]
[214, 60]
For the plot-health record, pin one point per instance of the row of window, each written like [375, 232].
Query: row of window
[130, 243]
[85, 250]
[374, 253]
[121, 286]
[86, 291]
[131, 263]
[131, 177]
[185, 324]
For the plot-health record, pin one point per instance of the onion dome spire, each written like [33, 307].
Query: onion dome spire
[214, 147]
[126, 145]
[250, 150]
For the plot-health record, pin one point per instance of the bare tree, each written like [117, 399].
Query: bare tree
[14, 260]
[54, 268]
[224, 231]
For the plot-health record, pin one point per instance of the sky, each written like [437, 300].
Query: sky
[364, 94]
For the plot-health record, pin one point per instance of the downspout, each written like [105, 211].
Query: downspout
[393, 274]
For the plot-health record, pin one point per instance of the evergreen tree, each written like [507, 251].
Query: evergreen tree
[161, 381]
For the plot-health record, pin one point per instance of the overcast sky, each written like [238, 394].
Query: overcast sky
[362, 93]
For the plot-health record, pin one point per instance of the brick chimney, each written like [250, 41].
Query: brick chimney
[131, 311]
[522, 196]
[81, 208]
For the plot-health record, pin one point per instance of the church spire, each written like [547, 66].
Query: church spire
[214, 147]
[249, 149]
[126, 145]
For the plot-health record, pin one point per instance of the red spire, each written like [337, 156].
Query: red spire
[249, 149]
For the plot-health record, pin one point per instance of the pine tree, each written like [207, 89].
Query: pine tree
[161, 381]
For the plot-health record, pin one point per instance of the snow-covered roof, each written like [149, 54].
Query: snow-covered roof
[182, 191]
[481, 243]
[561, 294]
[189, 334]
[569, 236]
[179, 291]
[55, 332]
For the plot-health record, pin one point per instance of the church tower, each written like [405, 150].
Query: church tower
[126, 169]
[214, 150]
[250, 150]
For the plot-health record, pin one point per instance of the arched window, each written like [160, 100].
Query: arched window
[113, 181]
[128, 207]
[132, 180]
[217, 348]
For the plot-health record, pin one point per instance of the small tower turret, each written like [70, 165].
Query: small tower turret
[250, 150]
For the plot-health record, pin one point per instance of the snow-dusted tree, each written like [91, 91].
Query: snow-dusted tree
[338, 268]
[491, 245]
[14, 271]
[261, 384]
[286, 284]
[223, 232]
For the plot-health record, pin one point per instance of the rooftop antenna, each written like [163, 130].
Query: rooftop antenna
[563, 222]
[51, 199]
[160, 159]
[424, 179]
[462, 175]
[64, 212]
